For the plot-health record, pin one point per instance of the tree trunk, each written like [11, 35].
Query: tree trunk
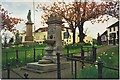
[73, 36]
[81, 34]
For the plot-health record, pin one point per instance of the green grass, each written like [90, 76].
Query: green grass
[110, 59]
[21, 55]
[30, 54]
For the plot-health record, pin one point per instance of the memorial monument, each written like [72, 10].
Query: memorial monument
[54, 46]
[29, 31]
[54, 38]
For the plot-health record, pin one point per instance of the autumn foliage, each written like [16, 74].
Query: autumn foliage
[76, 13]
[8, 22]
[73, 11]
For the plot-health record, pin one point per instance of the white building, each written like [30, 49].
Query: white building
[113, 33]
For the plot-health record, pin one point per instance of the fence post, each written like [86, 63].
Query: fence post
[82, 57]
[8, 70]
[94, 54]
[42, 52]
[87, 51]
[58, 66]
[72, 63]
[81, 48]
[93, 49]
[67, 52]
[75, 70]
[100, 65]
[26, 76]
[34, 54]
[25, 57]
[6, 59]
[82, 54]
[17, 55]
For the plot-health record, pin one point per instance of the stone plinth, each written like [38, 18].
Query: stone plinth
[45, 62]
[29, 36]
[43, 68]
[29, 43]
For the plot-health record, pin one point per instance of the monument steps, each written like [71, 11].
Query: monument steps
[43, 68]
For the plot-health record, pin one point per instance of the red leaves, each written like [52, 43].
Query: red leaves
[73, 11]
[9, 22]
[2, 9]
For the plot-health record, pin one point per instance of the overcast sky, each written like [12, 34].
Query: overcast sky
[20, 8]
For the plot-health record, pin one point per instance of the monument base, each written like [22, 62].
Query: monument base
[43, 68]
[54, 59]
[29, 43]
[28, 38]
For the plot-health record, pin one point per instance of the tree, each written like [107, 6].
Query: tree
[11, 40]
[76, 13]
[5, 37]
[98, 39]
[8, 22]
[94, 42]
[17, 38]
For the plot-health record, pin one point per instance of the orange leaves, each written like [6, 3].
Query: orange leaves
[59, 2]
[9, 22]
[73, 11]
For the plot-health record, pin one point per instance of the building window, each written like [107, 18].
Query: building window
[44, 37]
[114, 28]
[69, 40]
[37, 37]
[110, 42]
[110, 29]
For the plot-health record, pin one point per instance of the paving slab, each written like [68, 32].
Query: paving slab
[65, 73]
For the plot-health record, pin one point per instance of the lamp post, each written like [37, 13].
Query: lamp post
[34, 17]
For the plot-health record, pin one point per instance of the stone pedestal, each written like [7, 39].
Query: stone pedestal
[45, 67]
[29, 34]
[54, 38]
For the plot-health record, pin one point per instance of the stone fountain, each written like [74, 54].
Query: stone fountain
[54, 45]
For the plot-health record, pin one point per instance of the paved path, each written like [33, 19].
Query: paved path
[105, 48]
[65, 74]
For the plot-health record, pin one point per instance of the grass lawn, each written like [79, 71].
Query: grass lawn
[21, 55]
[30, 54]
[110, 58]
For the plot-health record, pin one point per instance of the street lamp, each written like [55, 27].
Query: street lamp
[34, 17]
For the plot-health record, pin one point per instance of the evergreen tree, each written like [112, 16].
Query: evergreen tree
[17, 38]
[11, 40]
[99, 39]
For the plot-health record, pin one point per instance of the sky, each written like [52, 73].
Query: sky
[20, 8]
